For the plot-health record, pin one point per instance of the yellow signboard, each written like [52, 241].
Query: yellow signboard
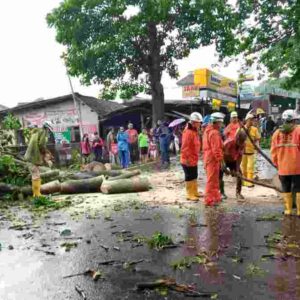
[207, 79]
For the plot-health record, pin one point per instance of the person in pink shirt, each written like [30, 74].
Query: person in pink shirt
[85, 148]
[133, 143]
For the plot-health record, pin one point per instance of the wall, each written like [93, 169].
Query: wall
[63, 118]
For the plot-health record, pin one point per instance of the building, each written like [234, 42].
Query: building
[65, 115]
[206, 84]
[2, 107]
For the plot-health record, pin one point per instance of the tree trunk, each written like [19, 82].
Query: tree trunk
[46, 189]
[125, 186]
[126, 175]
[91, 185]
[155, 74]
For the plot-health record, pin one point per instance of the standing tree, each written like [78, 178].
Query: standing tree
[126, 44]
[271, 36]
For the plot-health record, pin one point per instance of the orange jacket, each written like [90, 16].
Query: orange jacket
[285, 151]
[212, 145]
[190, 147]
[231, 130]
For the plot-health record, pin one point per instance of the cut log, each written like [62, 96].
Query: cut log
[91, 185]
[8, 188]
[49, 174]
[108, 167]
[46, 189]
[112, 173]
[120, 186]
[93, 166]
[126, 175]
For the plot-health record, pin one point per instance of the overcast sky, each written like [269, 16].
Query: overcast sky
[30, 64]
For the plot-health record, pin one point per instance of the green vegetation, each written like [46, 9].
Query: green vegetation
[254, 270]
[158, 241]
[68, 246]
[46, 202]
[108, 40]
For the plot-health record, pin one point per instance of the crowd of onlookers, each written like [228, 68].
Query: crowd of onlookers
[127, 146]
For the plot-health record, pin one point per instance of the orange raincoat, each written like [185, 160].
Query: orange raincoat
[190, 148]
[285, 152]
[231, 130]
[213, 156]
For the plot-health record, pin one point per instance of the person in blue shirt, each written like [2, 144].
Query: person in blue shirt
[123, 147]
[164, 135]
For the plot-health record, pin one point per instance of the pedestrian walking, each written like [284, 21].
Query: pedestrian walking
[123, 147]
[143, 145]
[85, 148]
[97, 146]
[213, 157]
[248, 160]
[285, 153]
[190, 155]
[133, 143]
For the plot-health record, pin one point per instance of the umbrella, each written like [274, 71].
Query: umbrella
[176, 122]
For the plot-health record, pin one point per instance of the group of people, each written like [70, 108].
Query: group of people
[232, 150]
[127, 147]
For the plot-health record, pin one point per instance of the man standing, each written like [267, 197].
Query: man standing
[231, 130]
[36, 153]
[285, 152]
[248, 159]
[270, 125]
[213, 156]
[133, 143]
[190, 155]
[164, 134]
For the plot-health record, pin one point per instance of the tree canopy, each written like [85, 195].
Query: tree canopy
[131, 42]
[271, 35]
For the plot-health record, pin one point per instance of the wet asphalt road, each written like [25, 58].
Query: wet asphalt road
[233, 239]
[26, 273]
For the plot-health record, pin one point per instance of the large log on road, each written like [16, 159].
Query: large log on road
[46, 189]
[120, 186]
[90, 185]
[125, 175]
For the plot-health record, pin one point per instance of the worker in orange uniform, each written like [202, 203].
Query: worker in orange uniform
[213, 157]
[285, 152]
[234, 125]
[248, 159]
[189, 157]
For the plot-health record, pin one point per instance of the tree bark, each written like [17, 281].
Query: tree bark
[91, 185]
[126, 175]
[120, 186]
[46, 189]
[155, 74]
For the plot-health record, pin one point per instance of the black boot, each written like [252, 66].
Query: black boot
[222, 190]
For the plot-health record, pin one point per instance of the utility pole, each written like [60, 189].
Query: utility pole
[77, 107]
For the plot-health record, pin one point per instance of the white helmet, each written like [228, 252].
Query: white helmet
[217, 117]
[249, 116]
[196, 117]
[234, 114]
[289, 115]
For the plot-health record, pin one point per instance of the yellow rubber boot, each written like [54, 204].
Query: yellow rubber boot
[195, 188]
[190, 191]
[298, 203]
[288, 203]
[36, 187]
[251, 177]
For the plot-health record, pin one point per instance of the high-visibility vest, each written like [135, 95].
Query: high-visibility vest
[285, 152]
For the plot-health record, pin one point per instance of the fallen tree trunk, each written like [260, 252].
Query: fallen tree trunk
[112, 173]
[46, 189]
[49, 174]
[126, 175]
[91, 185]
[133, 185]
[8, 188]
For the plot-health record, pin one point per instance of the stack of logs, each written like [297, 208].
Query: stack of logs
[94, 177]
